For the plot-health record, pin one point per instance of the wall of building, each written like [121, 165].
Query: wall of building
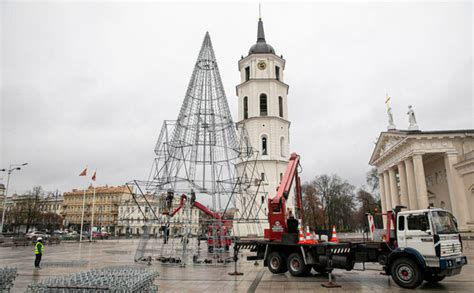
[437, 183]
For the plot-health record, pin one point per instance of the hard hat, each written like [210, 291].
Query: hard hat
[39, 238]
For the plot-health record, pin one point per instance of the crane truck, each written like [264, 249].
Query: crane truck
[418, 245]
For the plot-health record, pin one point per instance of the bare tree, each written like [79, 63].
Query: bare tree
[314, 214]
[372, 180]
[336, 198]
[368, 204]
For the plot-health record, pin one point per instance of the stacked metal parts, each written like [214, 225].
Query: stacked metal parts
[119, 279]
[7, 277]
[194, 185]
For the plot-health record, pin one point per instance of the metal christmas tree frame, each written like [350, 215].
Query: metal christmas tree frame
[199, 152]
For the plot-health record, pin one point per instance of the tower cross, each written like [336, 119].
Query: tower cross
[387, 100]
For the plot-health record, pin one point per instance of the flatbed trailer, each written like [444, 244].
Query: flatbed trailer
[299, 259]
[407, 267]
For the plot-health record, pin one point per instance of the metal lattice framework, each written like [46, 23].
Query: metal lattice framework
[201, 151]
[196, 151]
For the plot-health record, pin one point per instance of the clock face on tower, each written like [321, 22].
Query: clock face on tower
[262, 65]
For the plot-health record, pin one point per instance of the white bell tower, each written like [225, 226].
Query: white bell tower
[263, 113]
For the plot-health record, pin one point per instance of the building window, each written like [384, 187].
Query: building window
[282, 146]
[277, 72]
[262, 176]
[281, 176]
[264, 146]
[246, 108]
[247, 73]
[263, 105]
[280, 106]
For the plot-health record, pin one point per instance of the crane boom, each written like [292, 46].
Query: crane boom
[277, 213]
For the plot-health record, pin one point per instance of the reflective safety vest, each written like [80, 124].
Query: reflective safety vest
[39, 248]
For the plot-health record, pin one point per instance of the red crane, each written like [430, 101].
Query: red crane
[217, 237]
[277, 212]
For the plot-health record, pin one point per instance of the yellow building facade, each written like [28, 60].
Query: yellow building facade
[105, 205]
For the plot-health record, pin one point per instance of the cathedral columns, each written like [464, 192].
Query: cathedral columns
[459, 203]
[411, 187]
[382, 197]
[393, 187]
[420, 181]
[403, 185]
[388, 198]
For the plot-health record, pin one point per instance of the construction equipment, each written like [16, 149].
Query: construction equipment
[218, 235]
[417, 245]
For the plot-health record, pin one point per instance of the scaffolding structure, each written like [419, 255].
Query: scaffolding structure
[199, 158]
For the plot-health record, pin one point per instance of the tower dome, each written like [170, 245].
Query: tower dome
[261, 47]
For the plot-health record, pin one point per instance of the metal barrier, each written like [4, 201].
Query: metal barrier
[7, 277]
[110, 279]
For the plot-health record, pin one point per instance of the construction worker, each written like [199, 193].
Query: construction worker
[193, 197]
[169, 199]
[39, 251]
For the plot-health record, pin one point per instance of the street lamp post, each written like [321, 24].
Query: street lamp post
[12, 168]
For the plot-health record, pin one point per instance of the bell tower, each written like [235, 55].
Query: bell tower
[263, 113]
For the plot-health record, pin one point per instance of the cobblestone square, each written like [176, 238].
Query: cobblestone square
[70, 257]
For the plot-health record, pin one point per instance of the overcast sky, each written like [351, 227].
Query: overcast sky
[91, 83]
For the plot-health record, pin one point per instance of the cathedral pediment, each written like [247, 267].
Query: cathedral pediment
[386, 142]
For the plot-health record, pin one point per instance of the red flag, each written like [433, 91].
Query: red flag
[83, 173]
[93, 176]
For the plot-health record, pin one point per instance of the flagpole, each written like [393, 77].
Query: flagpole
[93, 209]
[82, 218]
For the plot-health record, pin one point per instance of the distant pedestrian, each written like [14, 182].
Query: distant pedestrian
[39, 251]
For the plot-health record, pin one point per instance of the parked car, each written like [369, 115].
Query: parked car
[99, 235]
[35, 234]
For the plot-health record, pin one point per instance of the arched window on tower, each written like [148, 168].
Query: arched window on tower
[282, 146]
[280, 106]
[264, 146]
[246, 108]
[263, 105]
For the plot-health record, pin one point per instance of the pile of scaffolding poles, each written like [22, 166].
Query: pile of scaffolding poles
[118, 279]
[7, 277]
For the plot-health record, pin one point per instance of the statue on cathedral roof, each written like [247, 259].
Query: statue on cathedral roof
[411, 119]
[391, 124]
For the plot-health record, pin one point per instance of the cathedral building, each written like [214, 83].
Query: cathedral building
[421, 169]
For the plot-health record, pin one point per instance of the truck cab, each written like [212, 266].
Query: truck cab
[431, 240]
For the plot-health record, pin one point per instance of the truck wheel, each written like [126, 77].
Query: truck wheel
[296, 265]
[431, 278]
[406, 273]
[276, 263]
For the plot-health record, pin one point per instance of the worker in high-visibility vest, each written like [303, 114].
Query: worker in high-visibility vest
[39, 251]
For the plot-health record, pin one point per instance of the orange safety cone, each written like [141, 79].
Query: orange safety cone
[334, 235]
[301, 239]
[309, 239]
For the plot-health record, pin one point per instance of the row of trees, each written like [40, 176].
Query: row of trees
[330, 200]
[27, 212]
